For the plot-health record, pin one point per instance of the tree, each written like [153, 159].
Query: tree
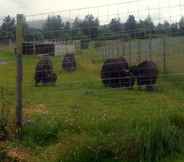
[181, 25]
[141, 29]
[131, 25]
[89, 26]
[105, 32]
[8, 28]
[174, 28]
[54, 27]
[76, 28]
[68, 30]
[33, 34]
[145, 27]
[148, 24]
[164, 28]
[115, 25]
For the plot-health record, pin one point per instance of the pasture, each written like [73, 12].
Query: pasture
[79, 120]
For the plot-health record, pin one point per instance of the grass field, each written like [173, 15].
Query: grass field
[79, 120]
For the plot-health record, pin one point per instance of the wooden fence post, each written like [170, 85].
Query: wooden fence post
[139, 50]
[18, 52]
[164, 55]
[150, 46]
[130, 50]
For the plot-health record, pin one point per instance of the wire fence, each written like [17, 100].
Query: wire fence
[88, 49]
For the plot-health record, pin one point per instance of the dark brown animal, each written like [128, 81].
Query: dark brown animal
[115, 74]
[146, 74]
[44, 72]
[69, 62]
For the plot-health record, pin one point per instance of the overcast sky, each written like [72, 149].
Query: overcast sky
[158, 9]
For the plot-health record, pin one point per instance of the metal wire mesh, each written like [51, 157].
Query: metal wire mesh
[137, 31]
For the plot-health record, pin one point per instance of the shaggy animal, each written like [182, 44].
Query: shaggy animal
[146, 74]
[115, 74]
[69, 62]
[44, 72]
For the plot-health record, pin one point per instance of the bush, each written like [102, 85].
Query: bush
[3, 154]
[178, 120]
[160, 140]
[41, 132]
[4, 114]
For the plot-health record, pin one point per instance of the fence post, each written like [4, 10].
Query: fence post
[150, 46]
[164, 55]
[139, 50]
[130, 50]
[18, 52]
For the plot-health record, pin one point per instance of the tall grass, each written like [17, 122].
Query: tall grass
[41, 132]
[134, 142]
[145, 142]
[88, 123]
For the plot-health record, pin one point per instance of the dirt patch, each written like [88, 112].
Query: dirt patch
[18, 154]
[36, 109]
[2, 62]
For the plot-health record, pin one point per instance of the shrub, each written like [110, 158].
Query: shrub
[161, 139]
[41, 132]
[4, 114]
[3, 154]
[178, 120]
[146, 142]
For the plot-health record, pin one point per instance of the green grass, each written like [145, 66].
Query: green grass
[81, 120]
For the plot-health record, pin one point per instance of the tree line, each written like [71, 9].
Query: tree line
[89, 27]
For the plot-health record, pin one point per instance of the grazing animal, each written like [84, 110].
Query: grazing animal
[69, 62]
[115, 74]
[146, 74]
[44, 72]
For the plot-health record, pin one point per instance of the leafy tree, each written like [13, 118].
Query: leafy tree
[181, 25]
[148, 24]
[89, 26]
[144, 27]
[68, 31]
[54, 28]
[174, 28]
[8, 28]
[33, 34]
[115, 25]
[131, 25]
[164, 28]
[105, 32]
[76, 28]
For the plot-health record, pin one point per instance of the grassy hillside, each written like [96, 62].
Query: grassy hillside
[79, 120]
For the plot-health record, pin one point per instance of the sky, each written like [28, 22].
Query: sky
[159, 10]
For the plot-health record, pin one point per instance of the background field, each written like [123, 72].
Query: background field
[81, 120]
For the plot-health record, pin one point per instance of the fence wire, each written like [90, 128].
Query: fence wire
[67, 51]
